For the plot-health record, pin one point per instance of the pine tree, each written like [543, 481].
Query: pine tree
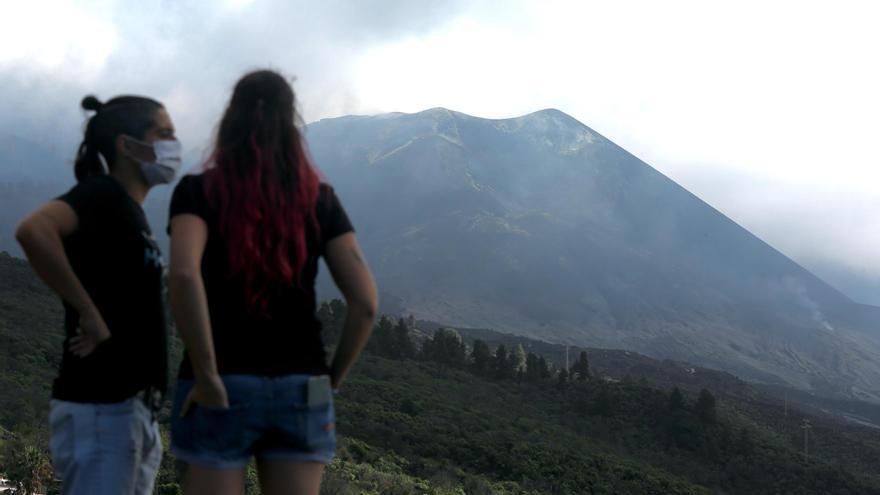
[500, 365]
[324, 313]
[480, 358]
[676, 401]
[332, 316]
[382, 340]
[704, 409]
[562, 377]
[533, 370]
[402, 345]
[338, 309]
[518, 358]
[446, 347]
[678, 423]
[581, 367]
[544, 369]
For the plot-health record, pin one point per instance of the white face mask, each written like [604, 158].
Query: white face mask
[167, 163]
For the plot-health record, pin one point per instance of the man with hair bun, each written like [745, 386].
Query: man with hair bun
[94, 248]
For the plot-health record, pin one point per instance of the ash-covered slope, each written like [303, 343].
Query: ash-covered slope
[540, 226]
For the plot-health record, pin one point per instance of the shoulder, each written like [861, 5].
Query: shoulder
[189, 195]
[93, 192]
[326, 194]
[331, 215]
[325, 190]
[328, 201]
[190, 184]
[98, 184]
[190, 181]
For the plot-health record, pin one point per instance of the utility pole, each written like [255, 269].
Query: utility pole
[807, 427]
[566, 359]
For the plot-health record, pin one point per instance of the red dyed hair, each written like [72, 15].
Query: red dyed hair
[263, 186]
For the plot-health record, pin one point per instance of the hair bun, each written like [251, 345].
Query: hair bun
[91, 103]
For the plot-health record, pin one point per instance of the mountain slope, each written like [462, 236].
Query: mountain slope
[433, 426]
[540, 226]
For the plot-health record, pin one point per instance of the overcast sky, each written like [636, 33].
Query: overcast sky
[769, 111]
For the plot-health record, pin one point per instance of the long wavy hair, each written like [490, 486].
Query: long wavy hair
[262, 184]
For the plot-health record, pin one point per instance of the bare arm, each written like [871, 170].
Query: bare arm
[189, 304]
[41, 235]
[353, 277]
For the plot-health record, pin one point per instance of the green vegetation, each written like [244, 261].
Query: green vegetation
[446, 414]
[30, 345]
[557, 435]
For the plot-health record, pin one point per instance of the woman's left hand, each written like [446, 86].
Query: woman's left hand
[208, 392]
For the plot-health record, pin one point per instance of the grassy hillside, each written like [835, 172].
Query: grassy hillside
[590, 436]
[30, 344]
[431, 412]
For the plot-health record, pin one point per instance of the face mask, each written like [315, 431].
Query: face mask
[166, 165]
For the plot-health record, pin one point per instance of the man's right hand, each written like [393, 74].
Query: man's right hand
[91, 332]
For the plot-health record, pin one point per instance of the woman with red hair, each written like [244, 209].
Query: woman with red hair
[246, 235]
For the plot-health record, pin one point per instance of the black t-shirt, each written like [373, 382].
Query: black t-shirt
[286, 338]
[115, 257]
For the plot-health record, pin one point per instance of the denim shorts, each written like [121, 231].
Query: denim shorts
[269, 418]
[112, 449]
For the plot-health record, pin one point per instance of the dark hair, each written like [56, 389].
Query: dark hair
[263, 186]
[129, 115]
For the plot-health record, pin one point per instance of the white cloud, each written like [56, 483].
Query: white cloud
[238, 5]
[60, 37]
[781, 96]
[768, 110]
[190, 52]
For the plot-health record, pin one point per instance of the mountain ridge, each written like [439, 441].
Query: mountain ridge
[540, 226]
[462, 216]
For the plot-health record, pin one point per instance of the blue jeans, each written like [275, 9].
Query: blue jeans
[97, 449]
[269, 418]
